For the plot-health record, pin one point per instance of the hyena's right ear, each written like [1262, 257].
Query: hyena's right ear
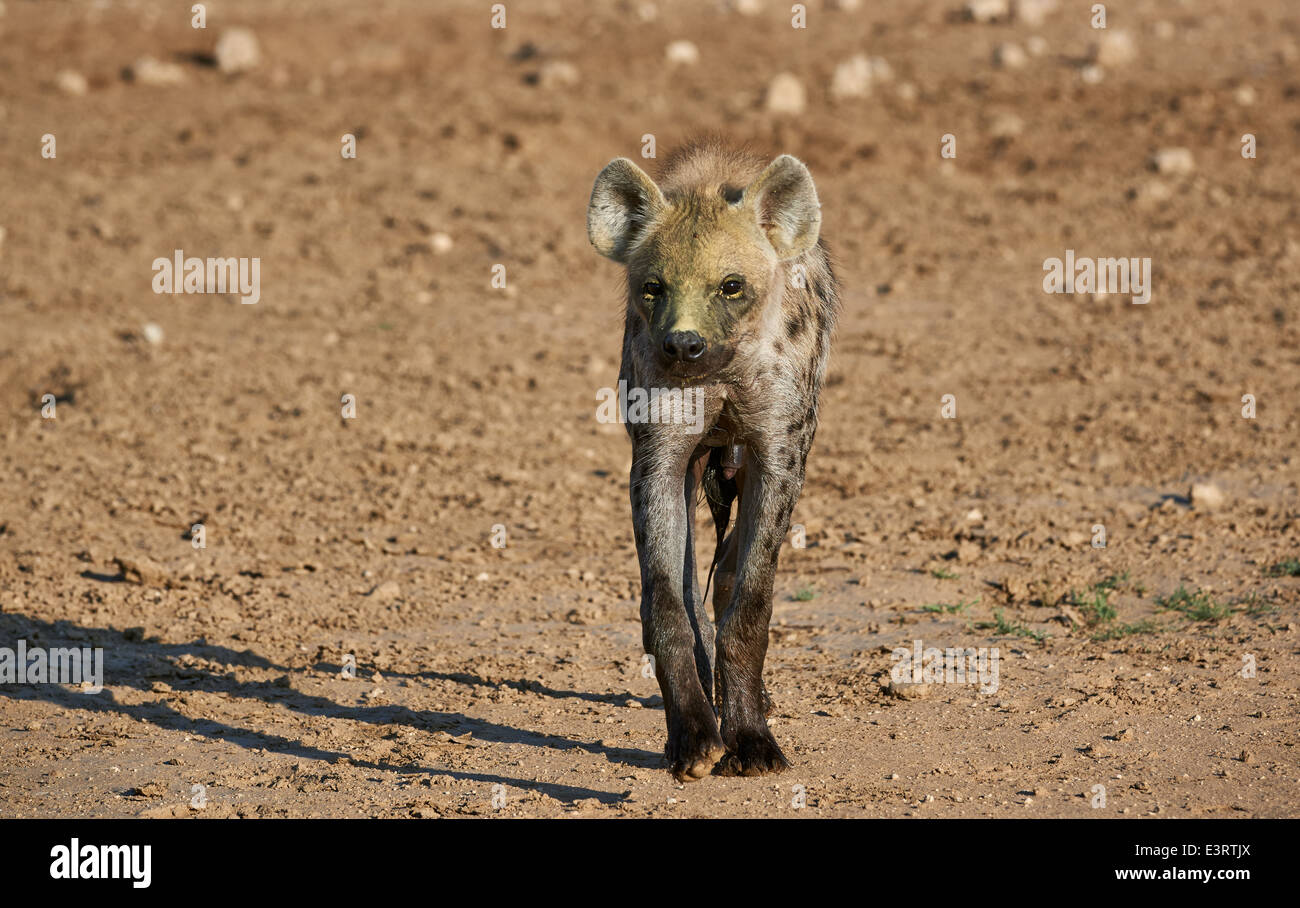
[623, 201]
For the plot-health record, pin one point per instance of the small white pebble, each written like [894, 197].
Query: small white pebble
[852, 78]
[71, 82]
[785, 95]
[1010, 56]
[683, 53]
[556, 73]
[1174, 161]
[237, 51]
[1114, 48]
[988, 10]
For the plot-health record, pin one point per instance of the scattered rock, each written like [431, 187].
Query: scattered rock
[389, 589]
[1036, 45]
[1034, 12]
[908, 690]
[153, 333]
[786, 95]
[1173, 161]
[559, 73]
[589, 615]
[237, 51]
[852, 78]
[1070, 616]
[986, 11]
[1114, 48]
[1244, 95]
[1206, 496]
[683, 53]
[71, 82]
[1010, 55]
[148, 71]
[148, 790]
[1092, 74]
[441, 243]
[1017, 588]
[141, 570]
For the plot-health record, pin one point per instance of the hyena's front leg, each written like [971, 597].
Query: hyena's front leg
[764, 517]
[669, 632]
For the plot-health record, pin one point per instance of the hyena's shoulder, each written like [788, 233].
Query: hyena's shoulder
[811, 302]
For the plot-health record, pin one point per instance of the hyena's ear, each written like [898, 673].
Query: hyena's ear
[623, 201]
[785, 202]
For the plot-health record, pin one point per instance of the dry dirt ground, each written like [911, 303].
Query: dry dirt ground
[507, 681]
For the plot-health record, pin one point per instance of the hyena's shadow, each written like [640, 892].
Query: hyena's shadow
[138, 664]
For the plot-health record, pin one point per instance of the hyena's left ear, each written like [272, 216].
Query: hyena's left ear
[785, 202]
[623, 201]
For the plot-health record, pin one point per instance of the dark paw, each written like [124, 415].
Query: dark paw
[693, 752]
[754, 754]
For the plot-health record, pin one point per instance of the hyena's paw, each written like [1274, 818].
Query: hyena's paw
[755, 753]
[694, 748]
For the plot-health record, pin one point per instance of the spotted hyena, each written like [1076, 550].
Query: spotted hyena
[731, 296]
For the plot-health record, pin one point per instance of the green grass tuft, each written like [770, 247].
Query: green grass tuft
[949, 608]
[1003, 627]
[1197, 605]
[1289, 567]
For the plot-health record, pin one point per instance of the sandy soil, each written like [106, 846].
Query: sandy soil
[507, 681]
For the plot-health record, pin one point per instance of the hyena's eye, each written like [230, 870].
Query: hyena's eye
[733, 286]
[652, 290]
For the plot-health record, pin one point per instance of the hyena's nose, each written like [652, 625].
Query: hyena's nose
[684, 346]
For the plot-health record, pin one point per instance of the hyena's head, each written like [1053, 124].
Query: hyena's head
[704, 262]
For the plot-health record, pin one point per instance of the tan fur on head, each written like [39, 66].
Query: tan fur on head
[625, 200]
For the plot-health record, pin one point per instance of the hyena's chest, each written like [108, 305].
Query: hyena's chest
[768, 394]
